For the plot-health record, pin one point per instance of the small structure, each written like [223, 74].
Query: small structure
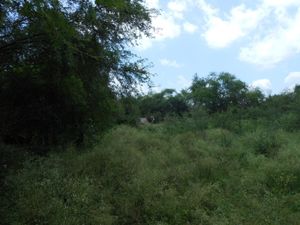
[147, 120]
[144, 120]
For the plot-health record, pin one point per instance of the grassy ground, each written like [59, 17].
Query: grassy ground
[149, 175]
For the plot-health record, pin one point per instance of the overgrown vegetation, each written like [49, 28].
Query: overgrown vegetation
[148, 176]
[72, 150]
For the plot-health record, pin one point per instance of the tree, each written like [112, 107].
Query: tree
[217, 93]
[159, 105]
[128, 110]
[62, 64]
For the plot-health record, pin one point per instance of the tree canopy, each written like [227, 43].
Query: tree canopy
[217, 93]
[62, 64]
[159, 105]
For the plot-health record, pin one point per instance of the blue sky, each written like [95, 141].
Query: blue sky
[256, 40]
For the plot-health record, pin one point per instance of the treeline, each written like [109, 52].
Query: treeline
[215, 93]
[224, 100]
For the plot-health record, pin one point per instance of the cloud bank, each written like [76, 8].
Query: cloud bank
[267, 31]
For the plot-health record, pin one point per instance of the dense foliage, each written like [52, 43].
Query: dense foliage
[63, 64]
[217, 93]
[160, 105]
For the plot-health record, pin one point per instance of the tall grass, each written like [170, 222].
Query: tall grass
[149, 176]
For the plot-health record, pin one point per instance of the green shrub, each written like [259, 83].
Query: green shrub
[228, 120]
[199, 119]
[289, 121]
[266, 142]
[222, 137]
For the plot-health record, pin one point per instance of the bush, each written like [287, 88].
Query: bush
[229, 120]
[266, 142]
[289, 121]
[222, 137]
[199, 119]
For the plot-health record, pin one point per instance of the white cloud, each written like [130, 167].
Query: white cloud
[144, 43]
[152, 4]
[189, 27]
[269, 31]
[277, 45]
[168, 24]
[292, 79]
[265, 52]
[177, 6]
[183, 82]
[164, 27]
[271, 28]
[156, 89]
[263, 84]
[207, 9]
[170, 63]
[281, 3]
[220, 33]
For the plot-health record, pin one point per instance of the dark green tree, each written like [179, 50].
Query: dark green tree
[217, 93]
[62, 64]
[159, 105]
[129, 111]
